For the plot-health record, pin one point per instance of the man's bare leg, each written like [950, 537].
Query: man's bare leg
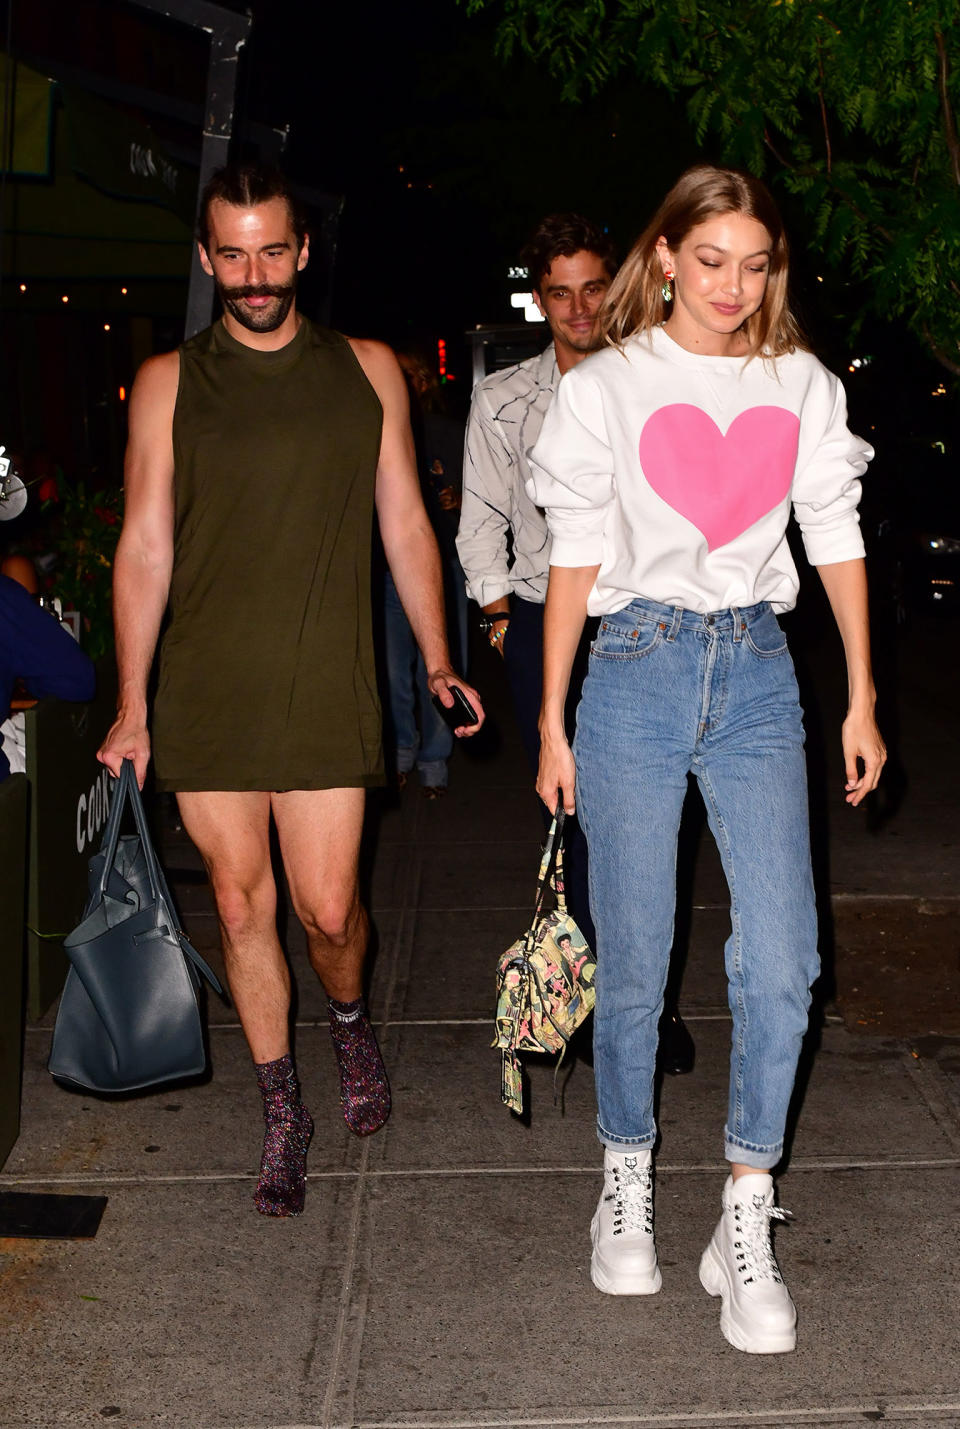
[319, 832]
[232, 832]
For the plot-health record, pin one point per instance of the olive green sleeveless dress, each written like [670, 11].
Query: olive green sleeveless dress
[267, 676]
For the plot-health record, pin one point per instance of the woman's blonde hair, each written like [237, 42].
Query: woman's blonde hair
[634, 302]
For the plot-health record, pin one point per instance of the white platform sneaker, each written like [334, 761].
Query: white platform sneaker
[757, 1314]
[624, 1260]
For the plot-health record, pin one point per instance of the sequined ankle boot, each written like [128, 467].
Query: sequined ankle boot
[288, 1129]
[364, 1088]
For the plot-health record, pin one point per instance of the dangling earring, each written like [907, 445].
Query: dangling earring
[667, 289]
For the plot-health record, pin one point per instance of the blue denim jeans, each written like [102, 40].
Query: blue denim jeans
[430, 746]
[670, 692]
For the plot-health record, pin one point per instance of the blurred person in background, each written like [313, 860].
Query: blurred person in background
[418, 736]
[36, 651]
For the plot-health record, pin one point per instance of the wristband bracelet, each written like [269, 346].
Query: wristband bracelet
[497, 635]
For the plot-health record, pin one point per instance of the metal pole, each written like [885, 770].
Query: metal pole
[228, 33]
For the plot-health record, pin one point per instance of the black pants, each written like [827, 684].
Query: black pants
[523, 657]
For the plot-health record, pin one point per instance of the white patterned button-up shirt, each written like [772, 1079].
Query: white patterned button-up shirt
[503, 541]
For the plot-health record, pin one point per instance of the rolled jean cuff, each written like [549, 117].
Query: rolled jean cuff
[433, 773]
[745, 1153]
[621, 1143]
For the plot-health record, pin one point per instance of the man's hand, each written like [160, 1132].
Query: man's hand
[498, 634]
[439, 683]
[496, 622]
[126, 739]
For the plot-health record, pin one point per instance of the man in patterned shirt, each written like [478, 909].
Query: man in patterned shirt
[503, 542]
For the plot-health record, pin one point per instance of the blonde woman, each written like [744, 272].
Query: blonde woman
[667, 468]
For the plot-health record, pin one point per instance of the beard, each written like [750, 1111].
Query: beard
[265, 319]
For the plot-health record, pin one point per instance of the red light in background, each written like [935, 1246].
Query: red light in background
[123, 394]
[442, 372]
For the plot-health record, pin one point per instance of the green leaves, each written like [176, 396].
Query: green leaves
[82, 528]
[850, 104]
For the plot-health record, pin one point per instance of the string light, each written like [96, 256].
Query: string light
[65, 298]
[106, 327]
[124, 291]
[23, 287]
[123, 394]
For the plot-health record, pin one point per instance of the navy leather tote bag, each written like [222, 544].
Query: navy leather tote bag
[129, 1013]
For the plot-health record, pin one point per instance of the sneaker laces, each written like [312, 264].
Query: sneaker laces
[632, 1196]
[752, 1241]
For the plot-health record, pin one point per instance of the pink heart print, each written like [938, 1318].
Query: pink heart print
[720, 482]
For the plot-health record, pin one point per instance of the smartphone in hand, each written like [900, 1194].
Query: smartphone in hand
[460, 712]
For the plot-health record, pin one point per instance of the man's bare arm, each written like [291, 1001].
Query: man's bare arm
[144, 559]
[408, 538]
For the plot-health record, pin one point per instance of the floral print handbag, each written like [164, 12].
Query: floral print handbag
[544, 981]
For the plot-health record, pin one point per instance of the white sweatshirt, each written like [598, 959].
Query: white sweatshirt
[674, 472]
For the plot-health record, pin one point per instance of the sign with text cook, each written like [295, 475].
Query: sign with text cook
[69, 801]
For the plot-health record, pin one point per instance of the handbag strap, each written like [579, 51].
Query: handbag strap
[551, 854]
[131, 791]
[111, 833]
[201, 964]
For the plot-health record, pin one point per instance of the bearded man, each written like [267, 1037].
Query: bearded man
[257, 454]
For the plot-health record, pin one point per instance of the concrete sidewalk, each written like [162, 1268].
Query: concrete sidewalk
[439, 1274]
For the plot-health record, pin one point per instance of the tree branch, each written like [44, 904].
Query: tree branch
[950, 363]
[844, 198]
[780, 158]
[823, 112]
[949, 127]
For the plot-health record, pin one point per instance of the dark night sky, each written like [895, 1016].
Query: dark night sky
[486, 149]
[445, 155]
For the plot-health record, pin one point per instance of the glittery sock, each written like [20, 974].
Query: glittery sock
[364, 1089]
[288, 1129]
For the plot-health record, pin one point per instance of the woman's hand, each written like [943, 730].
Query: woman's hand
[557, 774]
[563, 617]
[845, 583]
[862, 741]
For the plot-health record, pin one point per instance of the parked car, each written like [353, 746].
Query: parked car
[911, 519]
